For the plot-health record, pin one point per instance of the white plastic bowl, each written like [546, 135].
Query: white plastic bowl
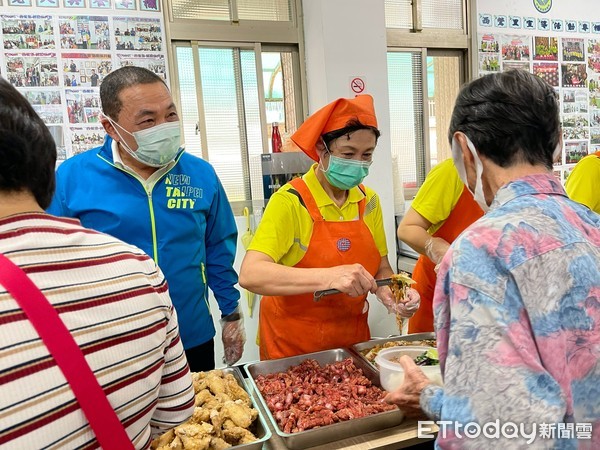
[392, 373]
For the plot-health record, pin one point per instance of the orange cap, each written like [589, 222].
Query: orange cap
[331, 117]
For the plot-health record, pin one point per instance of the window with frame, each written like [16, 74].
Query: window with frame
[427, 44]
[239, 74]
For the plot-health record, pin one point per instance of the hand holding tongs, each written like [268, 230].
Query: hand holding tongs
[380, 282]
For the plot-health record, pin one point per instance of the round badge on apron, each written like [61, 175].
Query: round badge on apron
[343, 244]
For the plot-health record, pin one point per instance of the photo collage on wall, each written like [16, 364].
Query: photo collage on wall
[569, 62]
[59, 60]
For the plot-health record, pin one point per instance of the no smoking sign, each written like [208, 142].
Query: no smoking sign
[357, 85]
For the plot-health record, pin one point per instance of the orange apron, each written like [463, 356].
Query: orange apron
[465, 212]
[296, 324]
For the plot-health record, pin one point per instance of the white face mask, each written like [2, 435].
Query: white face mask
[462, 171]
[557, 155]
[157, 146]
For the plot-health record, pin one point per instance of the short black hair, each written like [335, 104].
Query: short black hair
[351, 126]
[511, 117]
[27, 149]
[120, 79]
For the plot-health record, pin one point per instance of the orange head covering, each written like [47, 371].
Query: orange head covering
[331, 117]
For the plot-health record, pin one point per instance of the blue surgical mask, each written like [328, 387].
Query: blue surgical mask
[157, 146]
[345, 173]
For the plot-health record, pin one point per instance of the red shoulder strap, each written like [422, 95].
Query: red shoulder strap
[107, 427]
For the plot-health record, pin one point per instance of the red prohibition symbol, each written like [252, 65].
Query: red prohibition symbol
[357, 85]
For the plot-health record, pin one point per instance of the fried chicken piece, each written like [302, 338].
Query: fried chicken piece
[216, 443]
[203, 397]
[247, 438]
[236, 392]
[238, 435]
[215, 382]
[228, 424]
[163, 440]
[223, 397]
[239, 413]
[200, 415]
[176, 444]
[199, 381]
[195, 436]
[216, 419]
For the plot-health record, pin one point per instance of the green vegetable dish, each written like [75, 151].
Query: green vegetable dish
[428, 358]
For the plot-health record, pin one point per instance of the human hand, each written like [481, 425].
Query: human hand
[351, 279]
[233, 337]
[406, 308]
[435, 249]
[407, 397]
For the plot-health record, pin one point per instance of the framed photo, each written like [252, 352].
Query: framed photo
[125, 4]
[74, 3]
[83, 79]
[100, 4]
[87, 63]
[149, 5]
[19, 2]
[47, 3]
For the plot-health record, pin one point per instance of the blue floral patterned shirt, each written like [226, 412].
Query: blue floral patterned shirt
[517, 315]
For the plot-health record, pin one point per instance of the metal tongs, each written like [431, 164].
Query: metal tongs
[381, 282]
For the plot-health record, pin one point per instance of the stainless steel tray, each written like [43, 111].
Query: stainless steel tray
[261, 430]
[328, 433]
[368, 345]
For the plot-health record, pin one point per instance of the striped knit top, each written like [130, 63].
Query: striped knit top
[115, 301]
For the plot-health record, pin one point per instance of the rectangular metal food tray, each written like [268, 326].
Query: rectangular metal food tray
[368, 345]
[262, 431]
[328, 433]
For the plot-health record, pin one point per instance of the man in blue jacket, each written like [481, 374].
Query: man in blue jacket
[143, 188]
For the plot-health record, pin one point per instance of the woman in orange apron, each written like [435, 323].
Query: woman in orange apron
[436, 198]
[323, 231]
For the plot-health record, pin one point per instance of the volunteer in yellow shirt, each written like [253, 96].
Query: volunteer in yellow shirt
[322, 231]
[441, 210]
[583, 184]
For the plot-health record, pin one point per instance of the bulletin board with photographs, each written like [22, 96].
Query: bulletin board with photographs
[85, 69]
[57, 53]
[27, 32]
[29, 69]
[563, 51]
[155, 63]
[84, 32]
[138, 34]
[84, 138]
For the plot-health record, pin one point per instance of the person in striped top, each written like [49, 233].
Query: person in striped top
[110, 295]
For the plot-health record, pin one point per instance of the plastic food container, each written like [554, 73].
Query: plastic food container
[392, 373]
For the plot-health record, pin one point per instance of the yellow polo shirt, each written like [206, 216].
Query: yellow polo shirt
[439, 194]
[583, 184]
[286, 227]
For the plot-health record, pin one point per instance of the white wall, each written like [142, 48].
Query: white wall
[343, 39]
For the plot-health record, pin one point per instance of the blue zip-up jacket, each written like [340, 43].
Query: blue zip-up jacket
[185, 223]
